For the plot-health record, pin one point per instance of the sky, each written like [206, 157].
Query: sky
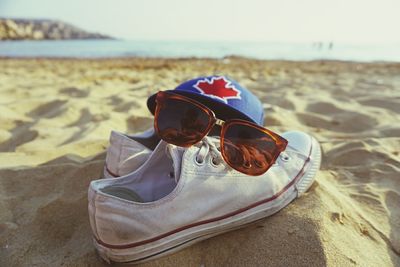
[345, 21]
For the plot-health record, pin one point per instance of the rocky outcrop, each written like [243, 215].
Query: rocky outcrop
[27, 29]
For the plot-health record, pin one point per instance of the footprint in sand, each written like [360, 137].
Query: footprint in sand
[120, 105]
[20, 135]
[325, 108]
[48, 110]
[388, 104]
[138, 124]
[126, 106]
[330, 117]
[74, 92]
[358, 153]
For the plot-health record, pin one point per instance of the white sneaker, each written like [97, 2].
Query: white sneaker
[179, 197]
[126, 153]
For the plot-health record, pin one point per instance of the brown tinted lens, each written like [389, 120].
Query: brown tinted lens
[248, 149]
[181, 123]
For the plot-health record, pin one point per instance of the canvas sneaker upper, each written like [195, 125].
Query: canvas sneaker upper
[126, 153]
[179, 192]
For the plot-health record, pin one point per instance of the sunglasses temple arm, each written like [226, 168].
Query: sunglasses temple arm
[283, 143]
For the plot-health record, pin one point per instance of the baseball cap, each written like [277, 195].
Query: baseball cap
[223, 95]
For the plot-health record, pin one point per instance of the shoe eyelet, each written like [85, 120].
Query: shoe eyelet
[284, 157]
[247, 165]
[198, 162]
[212, 162]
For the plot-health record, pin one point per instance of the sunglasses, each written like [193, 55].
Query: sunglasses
[245, 146]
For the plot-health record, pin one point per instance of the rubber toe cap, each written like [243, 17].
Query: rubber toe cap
[298, 140]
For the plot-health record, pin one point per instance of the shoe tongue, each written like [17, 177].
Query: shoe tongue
[215, 140]
[176, 154]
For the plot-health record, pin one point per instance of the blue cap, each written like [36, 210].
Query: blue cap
[227, 98]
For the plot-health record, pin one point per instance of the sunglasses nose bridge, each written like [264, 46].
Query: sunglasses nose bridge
[219, 122]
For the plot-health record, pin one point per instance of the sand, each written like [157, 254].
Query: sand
[56, 116]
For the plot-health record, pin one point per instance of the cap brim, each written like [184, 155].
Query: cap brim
[221, 110]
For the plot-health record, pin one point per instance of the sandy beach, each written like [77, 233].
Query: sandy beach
[56, 116]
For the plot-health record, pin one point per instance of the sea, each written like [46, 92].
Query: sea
[201, 49]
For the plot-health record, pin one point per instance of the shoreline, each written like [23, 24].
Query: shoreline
[233, 57]
[118, 49]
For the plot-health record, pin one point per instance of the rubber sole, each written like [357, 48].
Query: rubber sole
[184, 245]
[180, 240]
[308, 178]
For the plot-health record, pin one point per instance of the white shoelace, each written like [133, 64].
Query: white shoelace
[208, 147]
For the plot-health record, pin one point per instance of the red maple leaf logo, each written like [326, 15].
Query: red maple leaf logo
[218, 87]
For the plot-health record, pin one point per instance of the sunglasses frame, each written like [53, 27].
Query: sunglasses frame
[280, 142]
